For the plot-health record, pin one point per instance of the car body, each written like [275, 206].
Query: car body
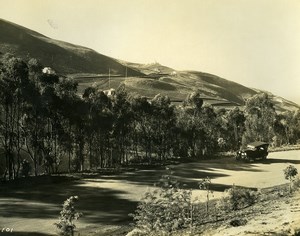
[253, 151]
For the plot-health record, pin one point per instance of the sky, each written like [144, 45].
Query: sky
[252, 42]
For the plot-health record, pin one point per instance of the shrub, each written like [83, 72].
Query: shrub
[290, 173]
[165, 209]
[237, 198]
[296, 183]
[205, 184]
[67, 217]
[238, 222]
[26, 168]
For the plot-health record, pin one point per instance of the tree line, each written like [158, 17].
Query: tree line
[43, 116]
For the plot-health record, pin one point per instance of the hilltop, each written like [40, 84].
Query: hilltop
[89, 68]
[64, 57]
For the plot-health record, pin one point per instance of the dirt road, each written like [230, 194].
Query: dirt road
[106, 200]
[259, 174]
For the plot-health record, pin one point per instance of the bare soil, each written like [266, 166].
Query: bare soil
[277, 213]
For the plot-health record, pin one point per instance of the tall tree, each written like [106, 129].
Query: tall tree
[163, 121]
[235, 128]
[33, 120]
[67, 92]
[13, 82]
[142, 135]
[123, 117]
[98, 127]
[260, 117]
[191, 134]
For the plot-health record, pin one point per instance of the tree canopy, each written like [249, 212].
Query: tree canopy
[45, 121]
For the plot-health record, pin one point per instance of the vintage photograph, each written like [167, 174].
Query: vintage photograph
[149, 117]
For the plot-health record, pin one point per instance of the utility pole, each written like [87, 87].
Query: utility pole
[108, 78]
[125, 76]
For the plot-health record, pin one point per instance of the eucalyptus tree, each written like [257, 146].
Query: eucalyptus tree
[103, 146]
[98, 127]
[13, 83]
[34, 121]
[281, 129]
[43, 119]
[163, 121]
[199, 127]
[67, 93]
[191, 135]
[89, 97]
[235, 120]
[260, 117]
[211, 130]
[296, 125]
[50, 112]
[123, 118]
[142, 135]
[287, 127]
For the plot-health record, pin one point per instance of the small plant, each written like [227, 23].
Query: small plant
[67, 217]
[237, 198]
[290, 173]
[205, 185]
[296, 183]
[165, 209]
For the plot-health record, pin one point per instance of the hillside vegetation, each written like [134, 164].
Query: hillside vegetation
[90, 68]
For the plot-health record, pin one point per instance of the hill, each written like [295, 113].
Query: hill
[89, 68]
[63, 57]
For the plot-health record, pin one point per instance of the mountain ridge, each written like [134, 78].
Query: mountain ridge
[64, 57]
[90, 68]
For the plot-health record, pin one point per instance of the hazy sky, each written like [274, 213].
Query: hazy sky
[253, 42]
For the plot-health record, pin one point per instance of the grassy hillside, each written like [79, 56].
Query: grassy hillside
[64, 57]
[90, 68]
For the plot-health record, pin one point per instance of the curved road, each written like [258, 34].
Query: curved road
[258, 174]
[107, 200]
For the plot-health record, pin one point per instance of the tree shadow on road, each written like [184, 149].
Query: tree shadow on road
[190, 172]
[273, 161]
[42, 197]
[98, 205]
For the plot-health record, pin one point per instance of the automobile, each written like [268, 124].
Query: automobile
[253, 151]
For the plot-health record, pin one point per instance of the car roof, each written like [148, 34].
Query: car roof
[257, 144]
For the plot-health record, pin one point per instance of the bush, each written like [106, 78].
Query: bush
[165, 209]
[205, 184]
[67, 217]
[290, 173]
[237, 198]
[296, 183]
[25, 168]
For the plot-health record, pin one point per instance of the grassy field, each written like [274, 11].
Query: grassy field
[149, 87]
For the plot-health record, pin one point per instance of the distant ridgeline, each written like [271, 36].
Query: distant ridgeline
[89, 67]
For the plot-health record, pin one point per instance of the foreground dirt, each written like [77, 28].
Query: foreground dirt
[277, 215]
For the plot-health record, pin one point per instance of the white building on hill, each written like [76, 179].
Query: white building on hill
[48, 71]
